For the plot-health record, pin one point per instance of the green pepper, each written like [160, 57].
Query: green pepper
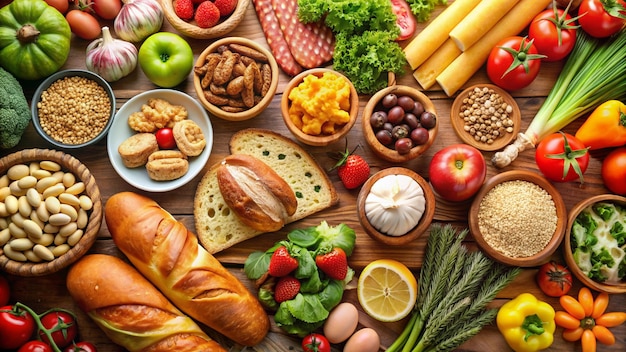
[526, 323]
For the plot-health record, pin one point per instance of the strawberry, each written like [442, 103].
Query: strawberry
[334, 263]
[207, 15]
[184, 9]
[286, 288]
[281, 262]
[352, 169]
[226, 7]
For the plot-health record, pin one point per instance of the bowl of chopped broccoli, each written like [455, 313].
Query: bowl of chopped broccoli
[595, 242]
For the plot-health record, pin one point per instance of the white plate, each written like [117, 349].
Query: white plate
[120, 131]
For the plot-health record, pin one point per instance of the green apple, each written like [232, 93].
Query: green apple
[166, 59]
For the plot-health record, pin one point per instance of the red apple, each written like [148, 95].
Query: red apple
[457, 172]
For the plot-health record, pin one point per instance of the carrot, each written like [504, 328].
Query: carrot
[573, 335]
[572, 306]
[588, 341]
[611, 319]
[603, 335]
[600, 304]
[566, 320]
[585, 298]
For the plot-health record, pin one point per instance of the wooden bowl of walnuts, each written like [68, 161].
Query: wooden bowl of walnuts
[232, 91]
[231, 12]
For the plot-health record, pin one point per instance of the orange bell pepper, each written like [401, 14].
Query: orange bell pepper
[605, 127]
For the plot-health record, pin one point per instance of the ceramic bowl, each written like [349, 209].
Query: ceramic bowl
[503, 214]
[617, 287]
[389, 153]
[120, 131]
[41, 89]
[190, 28]
[245, 113]
[321, 139]
[422, 225]
[513, 120]
[68, 164]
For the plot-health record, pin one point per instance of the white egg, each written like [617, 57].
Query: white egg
[364, 340]
[341, 322]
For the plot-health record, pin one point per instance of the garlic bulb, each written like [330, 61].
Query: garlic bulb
[395, 204]
[111, 58]
[138, 19]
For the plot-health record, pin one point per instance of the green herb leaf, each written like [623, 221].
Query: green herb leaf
[257, 264]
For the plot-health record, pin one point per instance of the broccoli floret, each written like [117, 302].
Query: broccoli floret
[619, 233]
[582, 231]
[604, 210]
[14, 111]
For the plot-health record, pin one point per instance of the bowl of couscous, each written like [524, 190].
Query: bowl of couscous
[518, 218]
[72, 109]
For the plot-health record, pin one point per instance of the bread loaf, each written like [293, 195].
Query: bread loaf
[168, 255]
[130, 311]
[219, 228]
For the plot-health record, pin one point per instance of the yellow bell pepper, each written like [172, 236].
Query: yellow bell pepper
[605, 127]
[526, 323]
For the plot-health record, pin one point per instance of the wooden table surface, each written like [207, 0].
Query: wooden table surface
[46, 292]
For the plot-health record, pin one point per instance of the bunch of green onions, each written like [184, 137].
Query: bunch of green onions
[594, 72]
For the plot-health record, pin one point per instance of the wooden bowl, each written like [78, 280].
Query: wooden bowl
[385, 152]
[68, 164]
[190, 29]
[322, 139]
[248, 113]
[619, 287]
[459, 124]
[543, 255]
[416, 231]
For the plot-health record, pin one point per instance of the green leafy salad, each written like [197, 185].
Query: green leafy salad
[598, 242]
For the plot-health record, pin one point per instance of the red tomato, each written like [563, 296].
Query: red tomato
[457, 172]
[35, 346]
[62, 326]
[61, 5]
[315, 343]
[107, 9]
[554, 279]
[82, 346]
[16, 327]
[5, 291]
[602, 18]
[614, 171]
[165, 138]
[83, 24]
[404, 19]
[559, 155]
[554, 33]
[513, 63]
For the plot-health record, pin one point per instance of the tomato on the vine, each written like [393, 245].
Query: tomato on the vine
[83, 24]
[561, 157]
[62, 325]
[107, 9]
[35, 346]
[404, 19]
[315, 343]
[82, 346]
[61, 5]
[5, 291]
[165, 138]
[554, 279]
[602, 18]
[16, 327]
[513, 63]
[614, 171]
[554, 33]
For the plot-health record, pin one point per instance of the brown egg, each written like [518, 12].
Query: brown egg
[364, 340]
[341, 322]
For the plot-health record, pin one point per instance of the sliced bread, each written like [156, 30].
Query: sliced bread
[218, 227]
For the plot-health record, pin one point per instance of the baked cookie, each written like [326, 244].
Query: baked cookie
[167, 165]
[136, 149]
[189, 137]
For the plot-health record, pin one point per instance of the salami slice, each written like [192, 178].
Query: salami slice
[275, 38]
[311, 44]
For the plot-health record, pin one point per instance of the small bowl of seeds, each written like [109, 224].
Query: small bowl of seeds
[73, 109]
[485, 116]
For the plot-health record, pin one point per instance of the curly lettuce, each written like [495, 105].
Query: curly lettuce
[422, 9]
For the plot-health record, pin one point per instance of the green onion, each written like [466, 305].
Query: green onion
[594, 72]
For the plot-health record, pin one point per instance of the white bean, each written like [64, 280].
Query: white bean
[59, 219]
[85, 202]
[60, 250]
[5, 236]
[49, 165]
[18, 219]
[16, 190]
[43, 252]
[53, 191]
[12, 204]
[39, 174]
[50, 229]
[23, 206]
[68, 179]
[18, 171]
[4, 192]
[4, 181]
[68, 229]
[21, 244]
[13, 255]
[17, 231]
[45, 240]
[68, 198]
[76, 189]
[70, 211]
[32, 257]
[27, 182]
[83, 219]
[34, 198]
[46, 183]
[32, 229]
[42, 212]
[53, 205]
[74, 238]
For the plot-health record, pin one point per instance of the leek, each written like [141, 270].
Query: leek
[594, 73]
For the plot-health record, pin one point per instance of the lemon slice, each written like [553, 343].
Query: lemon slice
[387, 290]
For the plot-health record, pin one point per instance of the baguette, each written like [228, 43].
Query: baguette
[168, 255]
[130, 311]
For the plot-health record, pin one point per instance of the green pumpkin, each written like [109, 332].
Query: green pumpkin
[34, 39]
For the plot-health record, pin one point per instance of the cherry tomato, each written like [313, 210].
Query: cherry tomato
[35, 346]
[165, 138]
[554, 33]
[16, 327]
[513, 63]
[315, 343]
[107, 9]
[61, 5]
[82, 346]
[5, 291]
[554, 279]
[614, 171]
[561, 157]
[602, 18]
[83, 24]
[63, 328]
[404, 19]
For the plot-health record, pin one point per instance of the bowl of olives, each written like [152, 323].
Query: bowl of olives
[399, 123]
